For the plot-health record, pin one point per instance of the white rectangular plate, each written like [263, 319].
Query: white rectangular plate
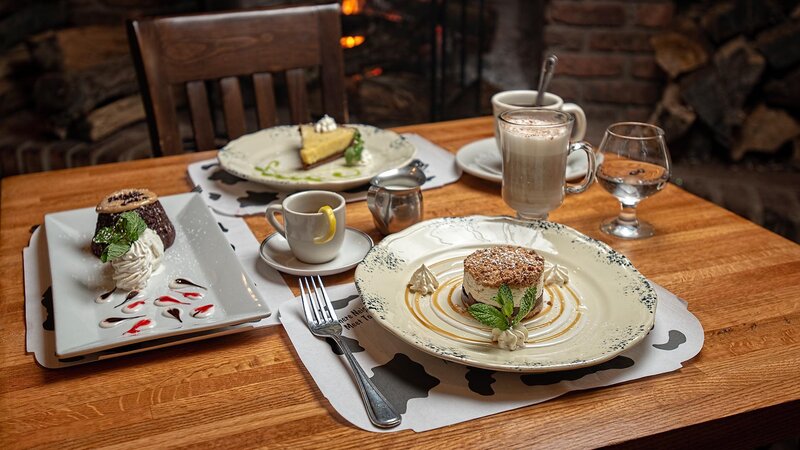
[200, 253]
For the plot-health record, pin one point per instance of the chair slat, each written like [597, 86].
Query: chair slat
[298, 97]
[265, 100]
[233, 107]
[334, 100]
[201, 115]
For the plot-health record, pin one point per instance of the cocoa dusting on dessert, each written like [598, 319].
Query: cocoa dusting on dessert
[126, 200]
[505, 264]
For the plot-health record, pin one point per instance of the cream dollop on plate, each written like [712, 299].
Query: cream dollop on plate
[555, 274]
[423, 281]
[512, 338]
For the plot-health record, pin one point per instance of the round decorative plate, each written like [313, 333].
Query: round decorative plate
[271, 157]
[606, 307]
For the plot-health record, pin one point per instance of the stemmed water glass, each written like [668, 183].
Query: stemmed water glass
[635, 165]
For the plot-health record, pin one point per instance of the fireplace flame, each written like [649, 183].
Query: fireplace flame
[350, 7]
[351, 41]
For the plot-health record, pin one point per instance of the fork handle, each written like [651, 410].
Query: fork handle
[379, 410]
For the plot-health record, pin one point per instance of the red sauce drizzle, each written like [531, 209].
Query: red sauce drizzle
[169, 299]
[201, 310]
[136, 328]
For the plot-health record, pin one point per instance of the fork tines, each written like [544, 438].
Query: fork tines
[316, 303]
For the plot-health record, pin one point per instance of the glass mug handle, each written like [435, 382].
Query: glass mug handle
[589, 177]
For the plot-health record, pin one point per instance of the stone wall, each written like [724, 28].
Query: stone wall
[606, 61]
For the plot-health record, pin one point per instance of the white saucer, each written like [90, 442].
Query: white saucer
[482, 159]
[276, 253]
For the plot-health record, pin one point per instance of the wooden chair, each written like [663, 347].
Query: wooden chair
[194, 49]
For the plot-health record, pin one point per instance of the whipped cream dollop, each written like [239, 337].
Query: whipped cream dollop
[325, 124]
[133, 269]
[423, 281]
[512, 338]
[555, 274]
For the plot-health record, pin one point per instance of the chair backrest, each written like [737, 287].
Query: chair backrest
[194, 49]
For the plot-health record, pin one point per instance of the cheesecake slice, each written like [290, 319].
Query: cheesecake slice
[319, 148]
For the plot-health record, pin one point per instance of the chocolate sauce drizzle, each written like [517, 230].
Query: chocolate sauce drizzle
[104, 296]
[131, 295]
[184, 282]
[176, 313]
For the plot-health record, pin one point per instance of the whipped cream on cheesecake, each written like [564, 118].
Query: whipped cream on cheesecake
[325, 125]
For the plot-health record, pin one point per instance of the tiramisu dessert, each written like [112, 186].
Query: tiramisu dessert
[141, 201]
[325, 141]
[503, 286]
[487, 269]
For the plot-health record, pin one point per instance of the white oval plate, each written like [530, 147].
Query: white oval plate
[271, 157]
[606, 307]
[276, 253]
[481, 159]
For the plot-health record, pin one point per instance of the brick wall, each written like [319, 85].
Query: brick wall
[606, 62]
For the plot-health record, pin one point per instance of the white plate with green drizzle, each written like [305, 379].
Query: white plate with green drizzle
[271, 157]
[606, 307]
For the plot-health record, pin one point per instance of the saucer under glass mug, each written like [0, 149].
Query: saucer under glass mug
[635, 165]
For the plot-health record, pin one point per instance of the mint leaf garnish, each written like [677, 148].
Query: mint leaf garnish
[503, 317]
[489, 316]
[104, 235]
[133, 225]
[506, 300]
[114, 250]
[526, 305]
[126, 230]
[352, 155]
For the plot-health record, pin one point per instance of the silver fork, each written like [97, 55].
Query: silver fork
[322, 322]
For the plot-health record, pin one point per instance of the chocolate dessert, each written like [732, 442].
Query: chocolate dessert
[145, 203]
[487, 269]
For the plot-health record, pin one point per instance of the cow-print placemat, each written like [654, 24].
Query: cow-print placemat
[233, 196]
[40, 335]
[430, 392]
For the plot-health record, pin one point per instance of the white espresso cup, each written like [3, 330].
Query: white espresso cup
[313, 224]
[507, 100]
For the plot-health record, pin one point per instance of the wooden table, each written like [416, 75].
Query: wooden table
[741, 281]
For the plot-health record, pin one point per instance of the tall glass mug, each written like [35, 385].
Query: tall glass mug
[535, 143]
[518, 99]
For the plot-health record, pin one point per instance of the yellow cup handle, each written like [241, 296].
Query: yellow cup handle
[328, 212]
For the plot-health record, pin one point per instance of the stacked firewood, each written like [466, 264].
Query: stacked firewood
[71, 92]
[734, 78]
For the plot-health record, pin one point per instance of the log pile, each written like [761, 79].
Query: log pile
[734, 75]
[65, 92]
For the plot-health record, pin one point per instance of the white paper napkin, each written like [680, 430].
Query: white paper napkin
[233, 196]
[430, 392]
[40, 337]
